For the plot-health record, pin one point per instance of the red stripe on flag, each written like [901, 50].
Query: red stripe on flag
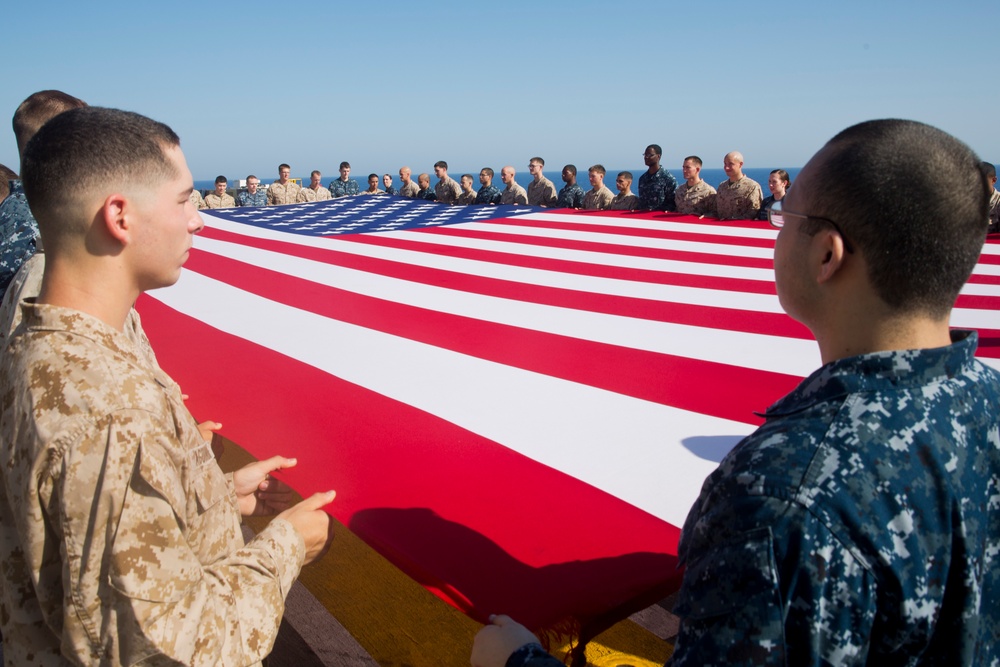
[611, 248]
[749, 321]
[380, 455]
[569, 266]
[690, 384]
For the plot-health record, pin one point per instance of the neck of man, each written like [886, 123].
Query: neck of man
[653, 168]
[71, 284]
[694, 180]
[735, 177]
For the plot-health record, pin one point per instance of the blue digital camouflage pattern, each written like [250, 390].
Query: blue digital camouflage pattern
[339, 188]
[656, 191]
[427, 194]
[571, 196]
[18, 231]
[859, 525]
[391, 190]
[244, 198]
[488, 194]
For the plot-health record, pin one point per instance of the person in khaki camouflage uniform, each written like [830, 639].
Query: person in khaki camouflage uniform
[738, 198]
[468, 195]
[220, 198]
[541, 191]
[119, 535]
[283, 191]
[446, 189]
[407, 187]
[513, 194]
[694, 196]
[599, 197]
[315, 190]
[859, 525]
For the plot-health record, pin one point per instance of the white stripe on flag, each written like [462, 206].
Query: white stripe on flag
[562, 424]
[763, 352]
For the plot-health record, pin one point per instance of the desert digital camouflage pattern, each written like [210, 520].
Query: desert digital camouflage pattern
[738, 201]
[278, 194]
[697, 199]
[542, 193]
[119, 535]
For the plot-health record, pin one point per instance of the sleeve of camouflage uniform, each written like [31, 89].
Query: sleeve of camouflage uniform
[766, 583]
[155, 570]
[549, 195]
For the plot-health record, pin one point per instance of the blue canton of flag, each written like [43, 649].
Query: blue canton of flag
[365, 213]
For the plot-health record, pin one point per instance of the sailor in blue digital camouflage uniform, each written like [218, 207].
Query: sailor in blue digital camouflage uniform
[253, 196]
[860, 525]
[18, 230]
[656, 185]
[343, 186]
[571, 195]
[488, 193]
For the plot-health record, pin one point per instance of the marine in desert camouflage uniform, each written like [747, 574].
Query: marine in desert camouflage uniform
[541, 191]
[739, 197]
[119, 535]
[694, 196]
[283, 191]
[513, 194]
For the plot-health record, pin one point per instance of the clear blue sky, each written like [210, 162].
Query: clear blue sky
[248, 85]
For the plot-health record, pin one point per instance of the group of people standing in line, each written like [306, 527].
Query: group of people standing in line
[739, 197]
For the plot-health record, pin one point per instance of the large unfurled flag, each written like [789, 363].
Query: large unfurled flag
[516, 406]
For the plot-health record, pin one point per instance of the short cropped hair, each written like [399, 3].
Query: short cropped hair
[252, 176]
[599, 168]
[284, 166]
[989, 171]
[442, 164]
[783, 175]
[38, 109]
[92, 148]
[344, 165]
[695, 159]
[920, 224]
[221, 179]
[371, 176]
[538, 160]
[468, 176]
[571, 168]
[489, 172]
[316, 172]
[656, 149]
[625, 174]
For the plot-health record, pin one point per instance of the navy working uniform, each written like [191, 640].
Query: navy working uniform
[656, 191]
[18, 231]
[859, 525]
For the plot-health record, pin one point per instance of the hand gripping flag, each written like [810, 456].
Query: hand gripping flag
[516, 406]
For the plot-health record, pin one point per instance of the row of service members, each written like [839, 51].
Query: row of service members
[739, 197]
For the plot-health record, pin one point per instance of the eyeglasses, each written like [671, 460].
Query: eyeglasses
[777, 216]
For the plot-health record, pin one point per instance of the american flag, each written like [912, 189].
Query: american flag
[517, 406]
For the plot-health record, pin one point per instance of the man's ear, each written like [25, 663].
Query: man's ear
[828, 246]
[115, 214]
